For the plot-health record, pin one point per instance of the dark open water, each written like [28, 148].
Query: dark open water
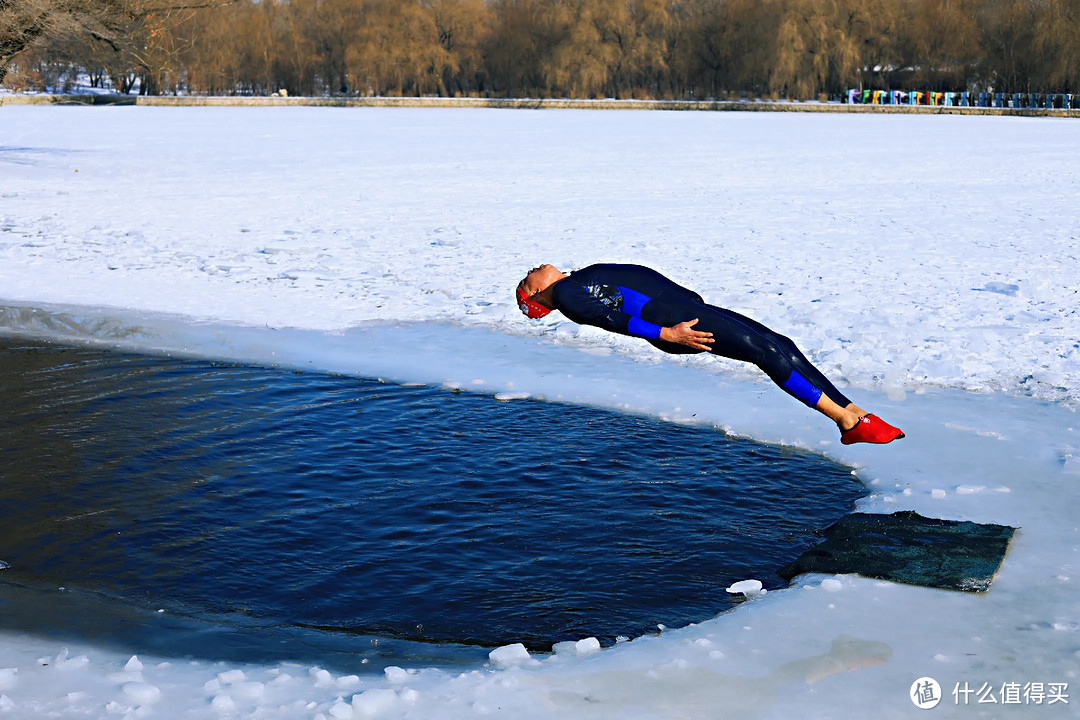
[282, 515]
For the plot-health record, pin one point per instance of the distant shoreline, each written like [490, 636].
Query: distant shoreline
[524, 103]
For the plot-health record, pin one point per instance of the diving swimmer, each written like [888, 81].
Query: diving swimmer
[638, 301]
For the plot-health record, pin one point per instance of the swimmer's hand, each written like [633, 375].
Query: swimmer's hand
[684, 334]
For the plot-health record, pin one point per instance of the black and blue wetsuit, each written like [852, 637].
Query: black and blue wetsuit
[635, 300]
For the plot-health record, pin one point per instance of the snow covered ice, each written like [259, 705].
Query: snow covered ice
[925, 263]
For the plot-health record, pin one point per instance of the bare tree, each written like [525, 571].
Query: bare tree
[24, 22]
[147, 35]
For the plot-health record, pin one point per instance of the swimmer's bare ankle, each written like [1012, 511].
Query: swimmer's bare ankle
[850, 419]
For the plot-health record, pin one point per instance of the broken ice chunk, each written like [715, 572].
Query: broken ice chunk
[749, 589]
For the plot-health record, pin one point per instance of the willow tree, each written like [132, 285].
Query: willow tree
[640, 34]
[887, 49]
[945, 42]
[517, 42]
[724, 47]
[1057, 46]
[235, 49]
[820, 47]
[397, 51]
[580, 60]
[464, 29]
[297, 48]
[801, 68]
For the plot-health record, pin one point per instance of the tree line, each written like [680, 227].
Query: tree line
[693, 49]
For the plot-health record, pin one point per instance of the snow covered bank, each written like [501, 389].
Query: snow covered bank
[103, 97]
[914, 258]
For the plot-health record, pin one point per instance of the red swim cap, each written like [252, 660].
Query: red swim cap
[530, 307]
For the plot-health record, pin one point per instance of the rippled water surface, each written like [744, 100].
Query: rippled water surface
[347, 512]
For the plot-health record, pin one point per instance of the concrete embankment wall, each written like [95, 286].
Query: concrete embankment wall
[534, 104]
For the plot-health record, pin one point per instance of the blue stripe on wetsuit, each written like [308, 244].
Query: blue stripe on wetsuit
[632, 302]
[643, 328]
[802, 389]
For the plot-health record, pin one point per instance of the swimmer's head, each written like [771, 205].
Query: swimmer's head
[537, 280]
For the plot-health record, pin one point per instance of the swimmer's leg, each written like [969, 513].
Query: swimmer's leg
[738, 337]
[741, 338]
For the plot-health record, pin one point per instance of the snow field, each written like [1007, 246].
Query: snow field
[924, 263]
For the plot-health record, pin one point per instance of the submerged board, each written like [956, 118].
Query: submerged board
[909, 548]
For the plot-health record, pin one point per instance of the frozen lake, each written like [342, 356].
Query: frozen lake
[924, 263]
